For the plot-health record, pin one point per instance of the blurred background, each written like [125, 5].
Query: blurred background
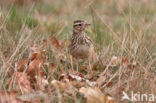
[107, 17]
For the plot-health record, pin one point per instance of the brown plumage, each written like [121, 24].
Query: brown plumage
[81, 46]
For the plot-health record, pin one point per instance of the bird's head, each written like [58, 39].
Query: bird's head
[80, 25]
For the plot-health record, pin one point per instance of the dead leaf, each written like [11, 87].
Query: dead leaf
[20, 82]
[41, 83]
[12, 97]
[109, 99]
[83, 68]
[36, 62]
[78, 84]
[133, 64]
[96, 66]
[59, 44]
[37, 55]
[64, 77]
[9, 97]
[114, 60]
[109, 84]
[36, 73]
[35, 68]
[54, 41]
[130, 68]
[21, 65]
[101, 80]
[125, 61]
[61, 86]
[93, 95]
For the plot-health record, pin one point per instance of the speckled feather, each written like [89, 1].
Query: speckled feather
[81, 46]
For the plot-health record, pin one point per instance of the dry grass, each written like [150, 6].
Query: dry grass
[124, 36]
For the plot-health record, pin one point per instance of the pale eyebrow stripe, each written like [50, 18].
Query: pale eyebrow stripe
[77, 23]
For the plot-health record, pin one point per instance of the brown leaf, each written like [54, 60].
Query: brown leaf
[130, 68]
[59, 44]
[9, 97]
[93, 95]
[125, 61]
[21, 65]
[41, 83]
[64, 77]
[54, 41]
[37, 55]
[84, 68]
[101, 80]
[121, 89]
[61, 85]
[109, 99]
[109, 84]
[33, 101]
[78, 84]
[35, 68]
[33, 56]
[20, 81]
[133, 65]
[96, 66]
[36, 73]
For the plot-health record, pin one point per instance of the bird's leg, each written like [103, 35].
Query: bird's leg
[77, 65]
[74, 62]
[90, 67]
[71, 59]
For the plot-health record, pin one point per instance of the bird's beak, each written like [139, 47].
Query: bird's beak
[87, 24]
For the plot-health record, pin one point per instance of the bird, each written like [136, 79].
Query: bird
[81, 45]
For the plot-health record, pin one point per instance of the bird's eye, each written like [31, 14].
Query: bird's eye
[80, 24]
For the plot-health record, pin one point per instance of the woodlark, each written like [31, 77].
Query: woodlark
[81, 46]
